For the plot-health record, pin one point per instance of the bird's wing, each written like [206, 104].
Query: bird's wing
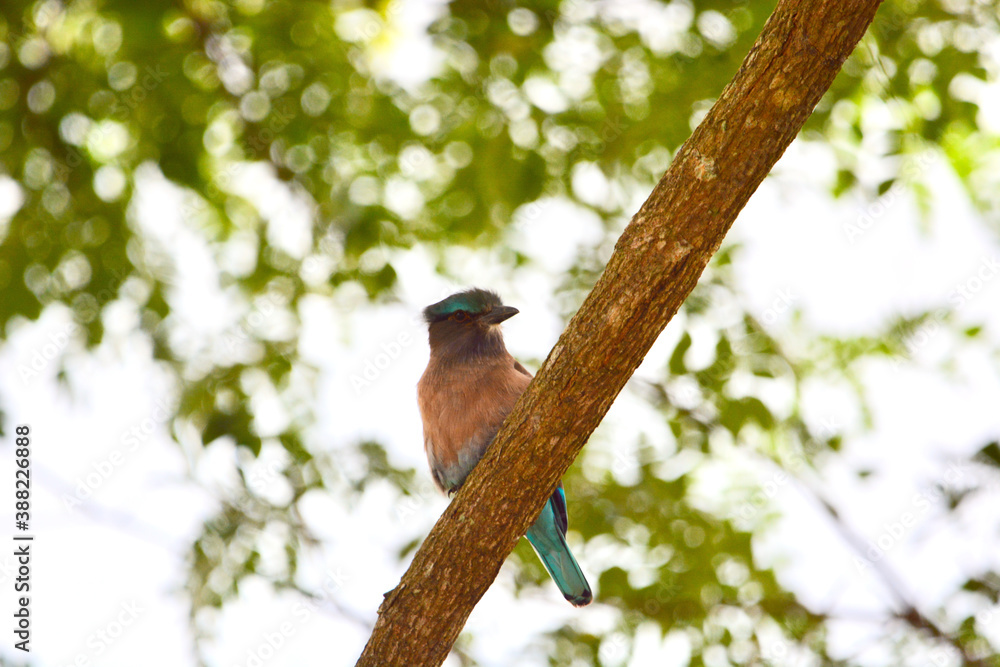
[559, 505]
[521, 369]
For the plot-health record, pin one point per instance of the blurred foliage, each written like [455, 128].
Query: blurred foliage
[98, 98]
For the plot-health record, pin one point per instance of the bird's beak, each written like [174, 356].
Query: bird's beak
[499, 314]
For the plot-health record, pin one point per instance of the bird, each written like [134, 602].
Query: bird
[469, 387]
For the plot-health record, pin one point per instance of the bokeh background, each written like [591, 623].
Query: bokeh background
[219, 222]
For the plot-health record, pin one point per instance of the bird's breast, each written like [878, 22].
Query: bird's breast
[462, 407]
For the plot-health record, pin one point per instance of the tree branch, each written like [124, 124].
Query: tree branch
[656, 263]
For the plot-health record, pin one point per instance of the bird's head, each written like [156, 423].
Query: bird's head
[468, 321]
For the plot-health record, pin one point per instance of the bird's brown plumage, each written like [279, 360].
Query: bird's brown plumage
[463, 404]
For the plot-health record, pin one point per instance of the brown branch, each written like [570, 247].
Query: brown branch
[656, 263]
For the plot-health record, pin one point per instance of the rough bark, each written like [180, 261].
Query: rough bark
[656, 263]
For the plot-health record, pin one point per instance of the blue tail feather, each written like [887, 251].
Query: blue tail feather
[548, 536]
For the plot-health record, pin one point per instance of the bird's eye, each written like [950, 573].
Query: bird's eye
[461, 316]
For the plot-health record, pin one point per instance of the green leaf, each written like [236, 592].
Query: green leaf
[676, 364]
